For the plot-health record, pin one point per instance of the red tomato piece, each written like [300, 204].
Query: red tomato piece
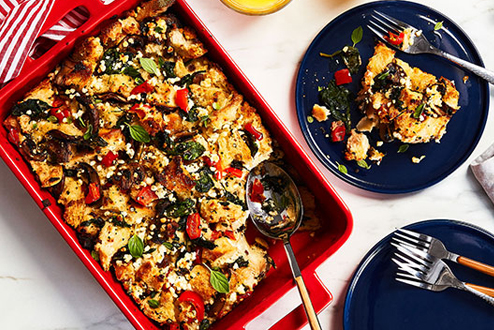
[208, 161]
[93, 193]
[182, 99]
[198, 259]
[252, 130]
[219, 170]
[342, 77]
[175, 326]
[195, 299]
[13, 136]
[60, 113]
[193, 226]
[229, 234]
[145, 87]
[234, 171]
[109, 159]
[338, 131]
[395, 39]
[257, 192]
[146, 196]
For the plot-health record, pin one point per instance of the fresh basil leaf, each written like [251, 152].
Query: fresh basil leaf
[219, 281]
[153, 303]
[158, 29]
[138, 133]
[149, 65]
[136, 246]
[342, 168]
[438, 26]
[357, 35]
[362, 163]
[418, 111]
[403, 148]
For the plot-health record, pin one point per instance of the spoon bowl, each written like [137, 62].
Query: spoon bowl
[276, 209]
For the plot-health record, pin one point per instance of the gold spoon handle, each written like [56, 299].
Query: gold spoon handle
[304, 294]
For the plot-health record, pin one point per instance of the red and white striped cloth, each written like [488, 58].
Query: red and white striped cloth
[20, 25]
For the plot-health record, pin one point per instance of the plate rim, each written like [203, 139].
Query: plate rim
[384, 242]
[376, 187]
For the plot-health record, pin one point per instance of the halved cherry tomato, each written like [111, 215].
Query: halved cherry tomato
[146, 196]
[182, 99]
[252, 130]
[93, 193]
[145, 87]
[193, 226]
[60, 113]
[395, 39]
[13, 136]
[195, 299]
[233, 171]
[342, 77]
[257, 192]
[338, 131]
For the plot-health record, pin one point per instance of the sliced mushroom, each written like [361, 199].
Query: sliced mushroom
[30, 150]
[113, 97]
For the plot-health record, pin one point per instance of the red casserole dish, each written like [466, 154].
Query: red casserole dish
[310, 251]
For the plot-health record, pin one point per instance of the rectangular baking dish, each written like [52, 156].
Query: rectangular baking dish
[311, 251]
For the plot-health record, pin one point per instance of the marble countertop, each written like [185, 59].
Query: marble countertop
[43, 285]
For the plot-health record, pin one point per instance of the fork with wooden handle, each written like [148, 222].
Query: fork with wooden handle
[436, 248]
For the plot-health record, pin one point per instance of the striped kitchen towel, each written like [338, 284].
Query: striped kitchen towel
[20, 25]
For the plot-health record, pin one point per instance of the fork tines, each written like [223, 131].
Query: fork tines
[415, 239]
[384, 24]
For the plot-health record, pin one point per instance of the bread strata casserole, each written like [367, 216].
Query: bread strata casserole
[146, 145]
[403, 102]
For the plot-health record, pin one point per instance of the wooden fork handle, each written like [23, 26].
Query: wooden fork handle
[486, 269]
[483, 289]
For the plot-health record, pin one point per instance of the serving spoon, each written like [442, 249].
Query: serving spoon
[276, 209]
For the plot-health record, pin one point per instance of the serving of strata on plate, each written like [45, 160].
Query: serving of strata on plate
[402, 102]
[147, 146]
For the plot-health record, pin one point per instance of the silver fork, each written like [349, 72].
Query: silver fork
[381, 24]
[436, 248]
[427, 272]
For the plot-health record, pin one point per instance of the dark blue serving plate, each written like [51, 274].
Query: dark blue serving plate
[376, 301]
[396, 173]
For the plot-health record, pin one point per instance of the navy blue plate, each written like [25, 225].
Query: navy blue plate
[397, 173]
[376, 301]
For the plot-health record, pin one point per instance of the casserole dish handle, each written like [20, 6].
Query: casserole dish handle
[320, 297]
[63, 7]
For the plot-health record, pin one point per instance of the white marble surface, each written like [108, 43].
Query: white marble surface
[43, 285]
